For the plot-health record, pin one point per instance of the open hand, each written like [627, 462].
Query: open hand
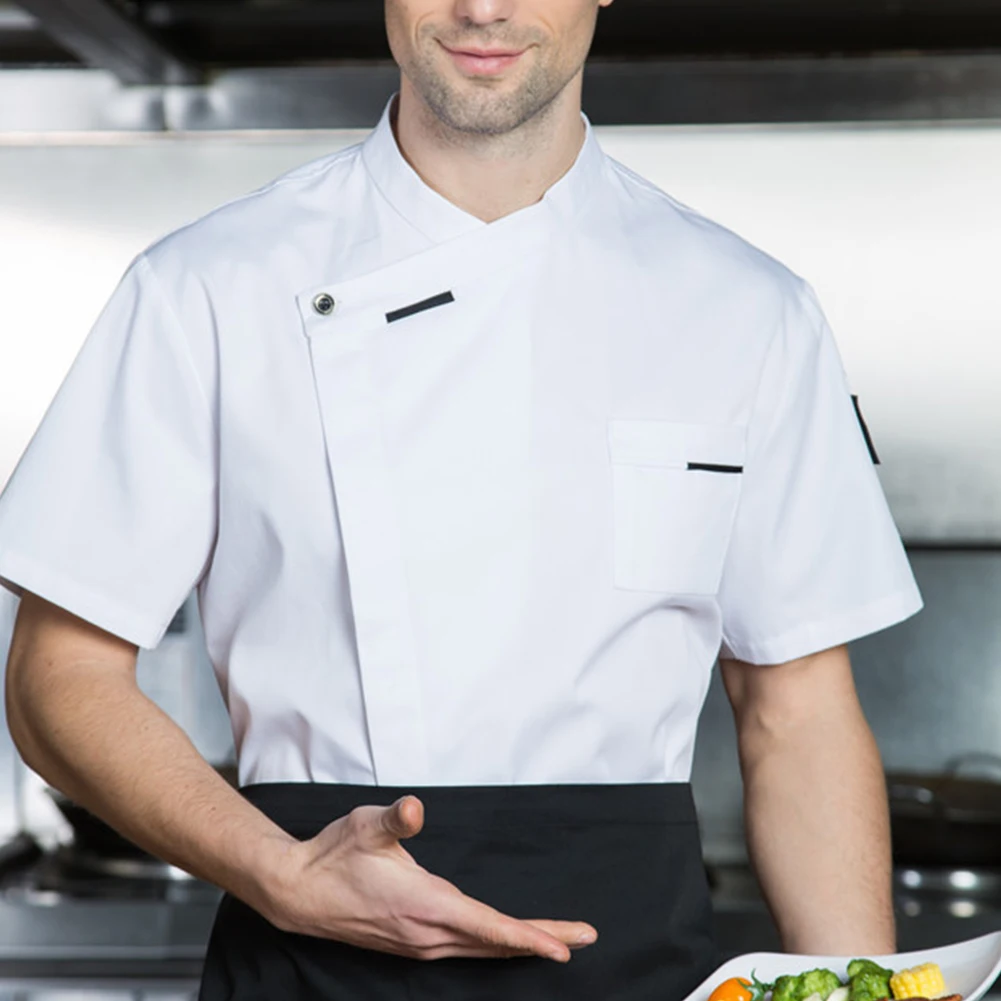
[355, 883]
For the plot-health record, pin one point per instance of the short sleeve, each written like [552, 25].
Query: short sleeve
[815, 559]
[110, 513]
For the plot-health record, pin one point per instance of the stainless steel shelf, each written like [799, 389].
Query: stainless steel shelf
[876, 89]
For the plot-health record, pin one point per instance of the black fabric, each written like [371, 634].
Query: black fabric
[443, 299]
[713, 467]
[865, 431]
[624, 857]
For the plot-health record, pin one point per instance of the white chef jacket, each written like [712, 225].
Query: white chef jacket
[465, 503]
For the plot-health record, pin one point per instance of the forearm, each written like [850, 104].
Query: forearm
[818, 828]
[95, 736]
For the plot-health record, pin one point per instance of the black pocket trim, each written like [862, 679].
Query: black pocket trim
[712, 467]
[865, 431]
[419, 307]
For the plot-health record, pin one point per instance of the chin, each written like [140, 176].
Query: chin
[483, 121]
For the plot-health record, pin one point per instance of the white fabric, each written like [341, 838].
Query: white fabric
[464, 547]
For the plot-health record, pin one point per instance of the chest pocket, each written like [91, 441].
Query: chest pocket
[675, 493]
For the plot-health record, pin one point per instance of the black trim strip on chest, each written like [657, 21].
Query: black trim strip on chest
[712, 467]
[443, 299]
[865, 431]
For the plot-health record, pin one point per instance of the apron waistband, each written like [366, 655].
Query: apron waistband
[305, 808]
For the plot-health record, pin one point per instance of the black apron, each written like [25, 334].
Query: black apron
[625, 858]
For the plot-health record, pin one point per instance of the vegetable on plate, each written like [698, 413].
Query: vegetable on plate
[867, 981]
[924, 981]
[818, 984]
[740, 989]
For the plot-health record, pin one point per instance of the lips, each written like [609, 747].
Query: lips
[484, 62]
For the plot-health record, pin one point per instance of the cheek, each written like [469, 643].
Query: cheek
[395, 26]
[412, 40]
[571, 23]
[582, 22]
[404, 19]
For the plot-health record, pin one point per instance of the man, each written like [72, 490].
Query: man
[479, 449]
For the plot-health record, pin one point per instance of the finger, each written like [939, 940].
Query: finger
[403, 819]
[506, 935]
[520, 937]
[576, 934]
[472, 951]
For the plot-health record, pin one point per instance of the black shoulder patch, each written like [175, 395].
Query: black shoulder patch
[865, 432]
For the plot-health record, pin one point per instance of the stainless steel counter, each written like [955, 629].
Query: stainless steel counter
[40, 934]
[743, 923]
[97, 990]
[128, 939]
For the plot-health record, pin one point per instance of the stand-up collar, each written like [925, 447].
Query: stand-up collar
[438, 218]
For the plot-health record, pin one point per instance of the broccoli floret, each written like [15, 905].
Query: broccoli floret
[857, 966]
[785, 989]
[799, 988]
[822, 982]
[869, 982]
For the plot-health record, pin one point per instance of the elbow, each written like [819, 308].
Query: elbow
[776, 720]
[789, 704]
[763, 731]
[65, 679]
[21, 710]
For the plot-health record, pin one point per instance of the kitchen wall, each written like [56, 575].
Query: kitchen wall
[896, 228]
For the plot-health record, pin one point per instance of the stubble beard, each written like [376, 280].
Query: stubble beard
[477, 109]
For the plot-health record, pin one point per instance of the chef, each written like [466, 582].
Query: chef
[480, 450]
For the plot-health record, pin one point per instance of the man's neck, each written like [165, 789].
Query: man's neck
[491, 176]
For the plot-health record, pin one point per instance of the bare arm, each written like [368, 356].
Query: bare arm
[815, 804]
[80, 720]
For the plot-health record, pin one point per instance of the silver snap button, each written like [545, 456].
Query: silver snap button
[324, 304]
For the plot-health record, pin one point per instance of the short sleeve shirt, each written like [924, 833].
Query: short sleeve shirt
[464, 503]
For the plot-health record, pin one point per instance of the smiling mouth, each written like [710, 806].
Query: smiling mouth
[484, 62]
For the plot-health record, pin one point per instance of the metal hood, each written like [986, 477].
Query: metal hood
[158, 41]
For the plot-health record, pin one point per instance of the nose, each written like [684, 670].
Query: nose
[484, 11]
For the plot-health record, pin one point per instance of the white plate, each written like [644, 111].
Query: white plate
[969, 967]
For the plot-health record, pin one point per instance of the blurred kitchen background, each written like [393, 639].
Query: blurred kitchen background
[859, 141]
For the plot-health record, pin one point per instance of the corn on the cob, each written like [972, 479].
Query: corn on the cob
[924, 981]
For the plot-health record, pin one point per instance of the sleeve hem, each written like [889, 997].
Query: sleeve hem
[20, 573]
[827, 633]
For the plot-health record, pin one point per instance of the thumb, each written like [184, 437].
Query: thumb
[404, 818]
